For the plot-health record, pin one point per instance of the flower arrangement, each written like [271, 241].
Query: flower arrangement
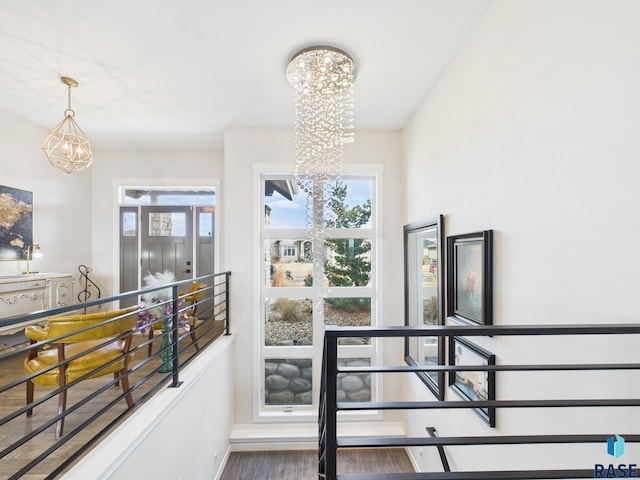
[158, 308]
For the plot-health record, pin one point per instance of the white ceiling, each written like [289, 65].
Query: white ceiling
[177, 73]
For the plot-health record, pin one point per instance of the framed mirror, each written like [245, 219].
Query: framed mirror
[424, 297]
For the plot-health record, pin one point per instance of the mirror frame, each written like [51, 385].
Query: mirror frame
[412, 286]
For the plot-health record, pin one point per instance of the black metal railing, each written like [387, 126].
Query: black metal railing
[330, 442]
[29, 445]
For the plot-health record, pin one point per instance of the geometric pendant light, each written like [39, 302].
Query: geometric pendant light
[67, 147]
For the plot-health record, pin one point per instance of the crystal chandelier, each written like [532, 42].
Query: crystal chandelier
[66, 147]
[323, 80]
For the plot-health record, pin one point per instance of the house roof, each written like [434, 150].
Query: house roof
[286, 188]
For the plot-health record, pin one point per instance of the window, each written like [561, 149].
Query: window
[129, 224]
[289, 251]
[167, 224]
[166, 196]
[205, 222]
[312, 278]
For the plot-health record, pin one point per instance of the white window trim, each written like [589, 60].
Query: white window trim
[309, 414]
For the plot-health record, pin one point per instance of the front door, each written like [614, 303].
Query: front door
[155, 239]
[167, 241]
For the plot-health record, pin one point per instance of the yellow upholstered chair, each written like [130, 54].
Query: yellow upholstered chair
[192, 297]
[40, 360]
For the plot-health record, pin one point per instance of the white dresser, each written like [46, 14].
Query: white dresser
[21, 294]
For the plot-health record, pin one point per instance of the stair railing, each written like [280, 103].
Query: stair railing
[330, 443]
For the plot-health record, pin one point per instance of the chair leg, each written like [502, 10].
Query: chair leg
[62, 396]
[30, 386]
[125, 387]
[150, 346]
[33, 353]
[194, 339]
[62, 405]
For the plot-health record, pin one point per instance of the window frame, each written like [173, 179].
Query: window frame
[372, 351]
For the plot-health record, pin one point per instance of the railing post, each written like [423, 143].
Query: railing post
[322, 415]
[226, 302]
[331, 399]
[175, 334]
[443, 456]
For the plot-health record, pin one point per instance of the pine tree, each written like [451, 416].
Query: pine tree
[349, 265]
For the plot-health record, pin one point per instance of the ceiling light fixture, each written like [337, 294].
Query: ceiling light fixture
[323, 79]
[67, 147]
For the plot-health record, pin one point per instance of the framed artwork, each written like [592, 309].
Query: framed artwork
[423, 297]
[16, 223]
[470, 277]
[474, 384]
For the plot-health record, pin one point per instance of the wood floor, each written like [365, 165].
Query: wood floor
[76, 435]
[303, 464]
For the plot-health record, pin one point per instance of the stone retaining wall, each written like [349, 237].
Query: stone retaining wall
[289, 382]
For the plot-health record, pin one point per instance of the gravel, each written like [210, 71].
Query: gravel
[290, 331]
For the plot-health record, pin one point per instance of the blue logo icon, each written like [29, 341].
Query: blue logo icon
[615, 446]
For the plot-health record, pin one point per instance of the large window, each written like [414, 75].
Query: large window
[319, 264]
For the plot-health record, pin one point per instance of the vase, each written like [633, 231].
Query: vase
[166, 352]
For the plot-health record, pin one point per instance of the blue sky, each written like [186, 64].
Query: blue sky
[287, 213]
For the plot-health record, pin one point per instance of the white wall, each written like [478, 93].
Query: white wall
[180, 433]
[243, 149]
[533, 132]
[62, 202]
[138, 167]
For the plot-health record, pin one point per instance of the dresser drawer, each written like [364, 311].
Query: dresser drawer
[20, 295]
[22, 285]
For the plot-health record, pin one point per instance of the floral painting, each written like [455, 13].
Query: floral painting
[16, 223]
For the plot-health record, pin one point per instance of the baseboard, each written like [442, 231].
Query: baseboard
[222, 464]
[266, 437]
[413, 460]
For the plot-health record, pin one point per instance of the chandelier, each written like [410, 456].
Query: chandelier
[66, 147]
[323, 81]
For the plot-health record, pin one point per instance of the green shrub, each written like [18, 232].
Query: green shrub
[349, 304]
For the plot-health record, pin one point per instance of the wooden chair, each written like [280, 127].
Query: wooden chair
[70, 346]
[193, 297]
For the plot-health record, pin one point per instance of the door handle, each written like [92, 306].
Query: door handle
[188, 270]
